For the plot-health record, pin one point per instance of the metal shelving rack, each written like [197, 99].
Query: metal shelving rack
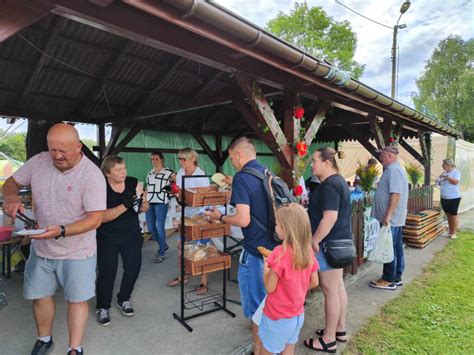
[187, 301]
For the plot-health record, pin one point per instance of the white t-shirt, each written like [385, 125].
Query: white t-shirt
[191, 183]
[448, 190]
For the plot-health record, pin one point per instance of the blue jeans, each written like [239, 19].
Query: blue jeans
[155, 220]
[250, 276]
[393, 271]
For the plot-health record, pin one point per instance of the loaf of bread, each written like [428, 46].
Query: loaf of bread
[212, 251]
[264, 251]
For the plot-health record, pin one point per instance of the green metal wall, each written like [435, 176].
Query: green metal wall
[138, 164]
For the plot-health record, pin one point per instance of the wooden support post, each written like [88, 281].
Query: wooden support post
[262, 120]
[210, 153]
[387, 130]
[101, 139]
[425, 145]
[363, 140]
[116, 132]
[316, 122]
[221, 155]
[132, 132]
[398, 132]
[36, 137]
[377, 131]
[412, 151]
[291, 130]
[291, 127]
[89, 154]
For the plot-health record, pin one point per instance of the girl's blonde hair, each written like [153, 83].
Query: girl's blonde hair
[294, 221]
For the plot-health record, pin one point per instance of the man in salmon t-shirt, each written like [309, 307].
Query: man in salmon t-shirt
[69, 194]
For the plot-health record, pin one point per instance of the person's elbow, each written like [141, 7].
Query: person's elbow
[96, 219]
[244, 221]
[270, 288]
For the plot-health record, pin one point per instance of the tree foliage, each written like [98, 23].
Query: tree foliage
[312, 30]
[13, 145]
[90, 143]
[446, 85]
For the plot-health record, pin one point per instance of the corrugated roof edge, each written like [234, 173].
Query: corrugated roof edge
[211, 13]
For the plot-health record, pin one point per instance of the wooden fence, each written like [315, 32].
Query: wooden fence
[419, 199]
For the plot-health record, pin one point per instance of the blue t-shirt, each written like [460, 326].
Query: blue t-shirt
[247, 189]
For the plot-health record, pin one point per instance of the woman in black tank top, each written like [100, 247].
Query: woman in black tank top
[119, 233]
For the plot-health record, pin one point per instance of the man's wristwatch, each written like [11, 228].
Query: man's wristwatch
[62, 234]
[221, 218]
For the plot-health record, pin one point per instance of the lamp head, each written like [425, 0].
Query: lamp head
[405, 6]
[400, 27]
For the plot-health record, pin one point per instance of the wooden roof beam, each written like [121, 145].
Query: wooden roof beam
[316, 122]
[17, 15]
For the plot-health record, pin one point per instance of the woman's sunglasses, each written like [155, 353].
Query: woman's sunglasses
[181, 159]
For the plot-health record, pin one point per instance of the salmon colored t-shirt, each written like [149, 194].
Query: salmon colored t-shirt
[62, 198]
[287, 300]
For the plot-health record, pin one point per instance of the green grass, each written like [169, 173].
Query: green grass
[433, 315]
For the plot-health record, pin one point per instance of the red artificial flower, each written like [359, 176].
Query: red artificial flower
[298, 112]
[298, 190]
[391, 140]
[302, 148]
[174, 188]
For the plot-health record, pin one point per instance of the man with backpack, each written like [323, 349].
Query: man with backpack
[254, 213]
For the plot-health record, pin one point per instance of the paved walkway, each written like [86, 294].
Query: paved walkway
[154, 331]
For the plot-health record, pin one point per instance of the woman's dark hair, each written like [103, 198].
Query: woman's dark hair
[160, 154]
[109, 162]
[329, 154]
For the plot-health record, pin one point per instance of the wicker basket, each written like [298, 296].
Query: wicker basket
[208, 230]
[205, 196]
[204, 266]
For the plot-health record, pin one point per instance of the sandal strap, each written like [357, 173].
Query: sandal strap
[341, 334]
[326, 346]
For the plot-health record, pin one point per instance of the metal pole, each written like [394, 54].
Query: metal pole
[394, 60]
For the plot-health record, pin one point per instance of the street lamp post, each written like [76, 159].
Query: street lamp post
[404, 8]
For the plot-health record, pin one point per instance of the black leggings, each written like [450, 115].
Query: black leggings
[108, 250]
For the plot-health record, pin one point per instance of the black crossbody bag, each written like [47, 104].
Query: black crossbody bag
[339, 253]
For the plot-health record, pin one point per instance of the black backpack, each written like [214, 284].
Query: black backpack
[277, 193]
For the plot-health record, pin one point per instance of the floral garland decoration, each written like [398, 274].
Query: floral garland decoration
[301, 152]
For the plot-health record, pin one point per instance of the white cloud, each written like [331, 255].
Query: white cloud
[428, 22]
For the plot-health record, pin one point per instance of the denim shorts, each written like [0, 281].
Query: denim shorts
[322, 261]
[276, 334]
[76, 277]
[252, 289]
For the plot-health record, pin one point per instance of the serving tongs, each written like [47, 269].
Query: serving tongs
[29, 222]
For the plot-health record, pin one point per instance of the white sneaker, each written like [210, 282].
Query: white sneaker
[453, 236]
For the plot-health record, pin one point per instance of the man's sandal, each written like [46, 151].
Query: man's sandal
[320, 332]
[201, 290]
[309, 343]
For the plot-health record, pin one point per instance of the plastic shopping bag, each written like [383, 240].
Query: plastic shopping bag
[257, 316]
[383, 250]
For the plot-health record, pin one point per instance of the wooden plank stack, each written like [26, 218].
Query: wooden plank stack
[423, 227]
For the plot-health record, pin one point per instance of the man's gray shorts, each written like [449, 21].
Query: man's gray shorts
[76, 277]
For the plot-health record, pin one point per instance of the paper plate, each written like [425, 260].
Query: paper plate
[30, 231]
[218, 178]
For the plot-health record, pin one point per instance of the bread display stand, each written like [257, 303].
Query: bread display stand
[191, 305]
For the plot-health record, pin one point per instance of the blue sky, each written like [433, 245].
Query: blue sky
[428, 22]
